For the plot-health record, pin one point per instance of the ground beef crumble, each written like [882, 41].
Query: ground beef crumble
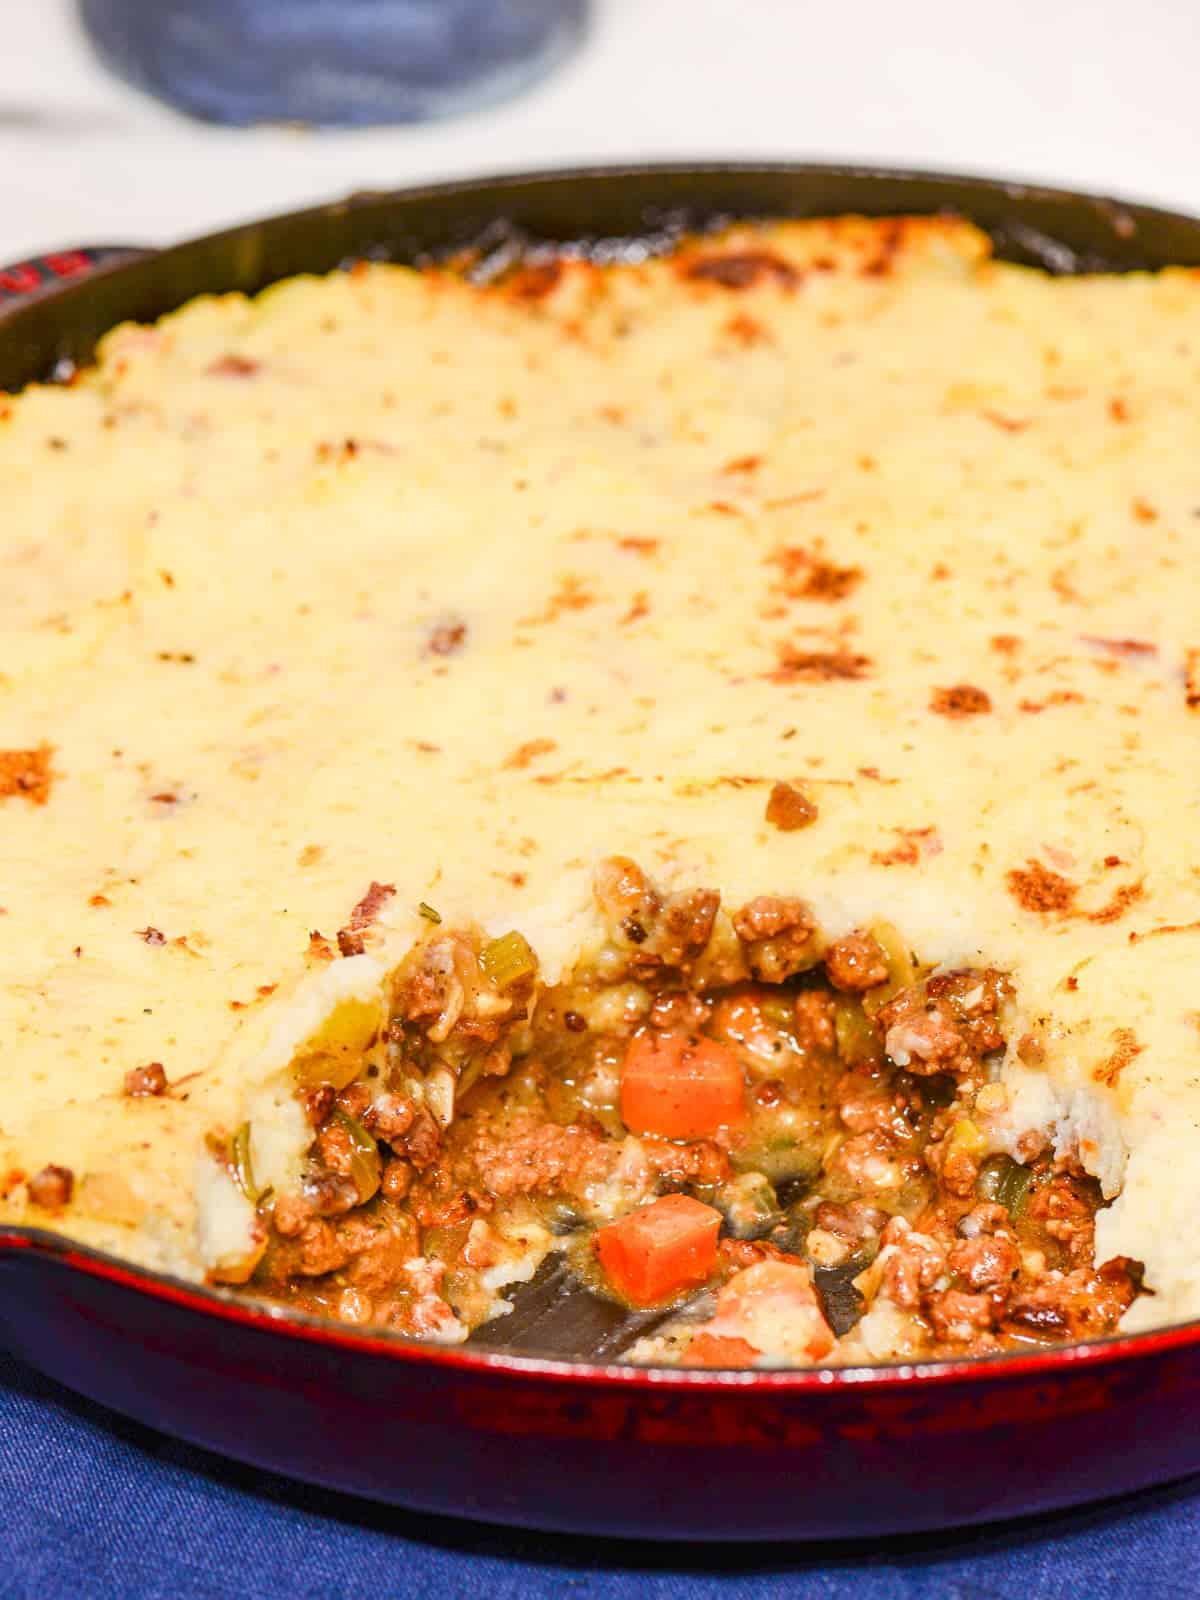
[149, 1080]
[861, 1148]
[789, 808]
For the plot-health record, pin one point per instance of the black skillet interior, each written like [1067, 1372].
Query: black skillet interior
[613, 214]
[607, 212]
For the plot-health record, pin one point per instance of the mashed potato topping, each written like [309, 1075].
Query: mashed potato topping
[826, 559]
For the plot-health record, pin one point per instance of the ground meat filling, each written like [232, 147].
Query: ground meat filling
[820, 1112]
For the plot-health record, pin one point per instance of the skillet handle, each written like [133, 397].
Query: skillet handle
[41, 275]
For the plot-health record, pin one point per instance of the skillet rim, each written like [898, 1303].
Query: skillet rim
[47, 1247]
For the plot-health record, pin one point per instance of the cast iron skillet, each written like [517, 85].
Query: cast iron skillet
[491, 1430]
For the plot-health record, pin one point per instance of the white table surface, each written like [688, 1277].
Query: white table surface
[1089, 93]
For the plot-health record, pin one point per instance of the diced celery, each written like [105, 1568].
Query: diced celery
[779, 1009]
[965, 1135]
[854, 1032]
[365, 1166]
[1004, 1181]
[239, 1157]
[902, 971]
[508, 959]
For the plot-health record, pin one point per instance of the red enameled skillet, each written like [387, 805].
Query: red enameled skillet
[587, 1447]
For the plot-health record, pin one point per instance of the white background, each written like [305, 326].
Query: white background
[1093, 93]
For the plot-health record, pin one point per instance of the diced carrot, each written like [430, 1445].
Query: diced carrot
[713, 1350]
[680, 1086]
[659, 1250]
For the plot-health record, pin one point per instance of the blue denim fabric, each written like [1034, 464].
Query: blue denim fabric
[96, 1506]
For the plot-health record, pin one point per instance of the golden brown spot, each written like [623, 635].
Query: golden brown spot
[960, 700]
[1008, 424]
[742, 464]
[889, 236]
[789, 808]
[818, 666]
[310, 855]
[1118, 410]
[233, 366]
[639, 607]
[534, 282]
[1060, 697]
[1036, 888]
[911, 845]
[346, 450]
[740, 269]
[263, 992]
[99, 900]
[527, 752]
[637, 545]
[26, 773]
[727, 780]
[803, 498]
[1060, 582]
[350, 940]
[806, 576]
[571, 594]
[1127, 648]
[1031, 1050]
[1127, 895]
[1144, 511]
[154, 936]
[319, 947]
[746, 330]
[1191, 679]
[1126, 1049]
[446, 638]
[1005, 644]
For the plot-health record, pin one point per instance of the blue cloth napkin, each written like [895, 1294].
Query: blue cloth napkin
[94, 1505]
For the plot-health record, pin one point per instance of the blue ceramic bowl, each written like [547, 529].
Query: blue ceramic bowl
[332, 62]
